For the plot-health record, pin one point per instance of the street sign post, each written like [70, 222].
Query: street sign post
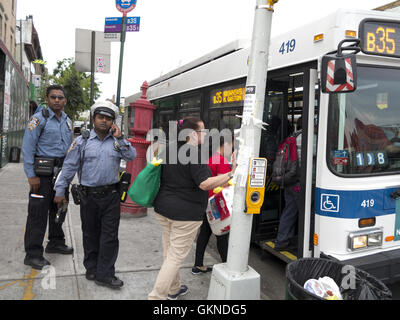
[123, 6]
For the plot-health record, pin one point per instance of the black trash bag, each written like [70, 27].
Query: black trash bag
[367, 287]
[301, 270]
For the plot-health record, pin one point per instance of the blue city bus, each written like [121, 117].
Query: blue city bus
[350, 149]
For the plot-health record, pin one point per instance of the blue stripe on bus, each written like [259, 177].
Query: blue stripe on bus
[354, 204]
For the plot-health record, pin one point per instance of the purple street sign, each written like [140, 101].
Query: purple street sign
[113, 28]
[132, 27]
[116, 28]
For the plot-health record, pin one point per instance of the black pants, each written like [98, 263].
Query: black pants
[100, 222]
[202, 241]
[39, 210]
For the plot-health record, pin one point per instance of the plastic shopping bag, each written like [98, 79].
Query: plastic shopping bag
[144, 189]
[219, 210]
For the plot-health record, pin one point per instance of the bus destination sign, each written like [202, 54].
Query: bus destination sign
[380, 37]
[227, 96]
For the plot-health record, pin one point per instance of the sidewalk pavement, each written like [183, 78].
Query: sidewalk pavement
[139, 259]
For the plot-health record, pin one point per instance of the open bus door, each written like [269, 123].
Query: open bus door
[290, 94]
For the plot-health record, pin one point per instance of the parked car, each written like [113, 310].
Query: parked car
[78, 126]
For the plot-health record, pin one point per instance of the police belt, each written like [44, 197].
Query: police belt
[101, 190]
[58, 162]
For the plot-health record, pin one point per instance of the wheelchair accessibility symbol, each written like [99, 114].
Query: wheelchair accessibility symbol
[330, 202]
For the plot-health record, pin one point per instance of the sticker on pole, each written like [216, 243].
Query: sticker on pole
[249, 101]
[125, 6]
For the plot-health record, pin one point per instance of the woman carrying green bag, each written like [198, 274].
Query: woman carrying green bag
[145, 187]
[180, 205]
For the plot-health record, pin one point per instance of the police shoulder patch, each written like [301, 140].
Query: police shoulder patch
[72, 147]
[117, 146]
[33, 123]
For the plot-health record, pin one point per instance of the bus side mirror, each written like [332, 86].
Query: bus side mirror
[338, 73]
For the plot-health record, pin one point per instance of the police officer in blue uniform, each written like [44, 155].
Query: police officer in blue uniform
[47, 136]
[97, 158]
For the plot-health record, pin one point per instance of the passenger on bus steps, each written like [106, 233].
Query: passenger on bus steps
[181, 204]
[47, 138]
[218, 164]
[97, 158]
[288, 219]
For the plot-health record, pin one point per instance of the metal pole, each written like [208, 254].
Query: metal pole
[20, 42]
[92, 62]
[238, 280]
[121, 59]
[250, 134]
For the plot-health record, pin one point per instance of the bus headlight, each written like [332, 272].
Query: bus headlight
[375, 239]
[358, 242]
[365, 239]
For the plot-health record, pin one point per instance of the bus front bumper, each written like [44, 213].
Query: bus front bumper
[384, 265]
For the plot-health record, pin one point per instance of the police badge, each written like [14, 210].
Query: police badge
[33, 123]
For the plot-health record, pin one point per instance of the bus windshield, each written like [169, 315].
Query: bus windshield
[364, 126]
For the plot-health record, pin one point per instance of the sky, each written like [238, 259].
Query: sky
[172, 32]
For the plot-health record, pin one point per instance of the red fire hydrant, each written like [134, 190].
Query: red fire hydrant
[143, 111]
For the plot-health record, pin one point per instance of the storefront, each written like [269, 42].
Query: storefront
[14, 104]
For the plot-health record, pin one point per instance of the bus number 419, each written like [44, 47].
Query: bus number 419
[368, 203]
[288, 46]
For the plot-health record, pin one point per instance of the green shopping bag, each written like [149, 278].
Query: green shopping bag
[144, 189]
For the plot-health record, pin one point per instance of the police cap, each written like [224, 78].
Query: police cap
[105, 108]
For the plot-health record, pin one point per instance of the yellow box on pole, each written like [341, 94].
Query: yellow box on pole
[256, 185]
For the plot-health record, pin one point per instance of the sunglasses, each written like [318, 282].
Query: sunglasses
[55, 97]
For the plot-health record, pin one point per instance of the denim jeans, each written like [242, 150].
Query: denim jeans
[288, 219]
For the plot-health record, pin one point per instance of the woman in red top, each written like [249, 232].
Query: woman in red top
[218, 164]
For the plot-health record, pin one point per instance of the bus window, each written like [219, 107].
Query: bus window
[164, 118]
[225, 102]
[165, 112]
[190, 106]
[225, 119]
[362, 124]
[183, 115]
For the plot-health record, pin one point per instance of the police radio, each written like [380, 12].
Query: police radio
[61, 213]
[124, 183]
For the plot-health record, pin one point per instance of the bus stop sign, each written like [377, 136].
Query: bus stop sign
[125, 6]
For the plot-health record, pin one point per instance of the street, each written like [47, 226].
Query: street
[138, 261]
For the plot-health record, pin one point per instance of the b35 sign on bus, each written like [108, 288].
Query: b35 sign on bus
[380, 37]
